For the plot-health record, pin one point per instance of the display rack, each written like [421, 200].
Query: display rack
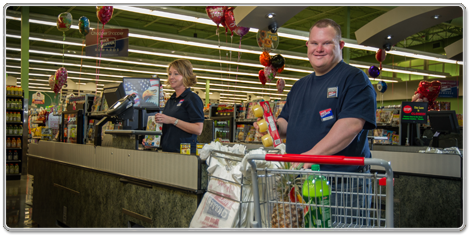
[244, 118]
[388, 119]
[19, 150]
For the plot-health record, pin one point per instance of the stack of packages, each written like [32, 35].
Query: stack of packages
[228, 202]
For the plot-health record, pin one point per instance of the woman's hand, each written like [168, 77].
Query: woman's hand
[144, 144]
[162, 118]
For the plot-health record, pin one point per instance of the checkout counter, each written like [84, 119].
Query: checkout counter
[93, 186]
[112, 184]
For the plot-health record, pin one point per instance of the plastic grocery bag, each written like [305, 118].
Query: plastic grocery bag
[215, 212]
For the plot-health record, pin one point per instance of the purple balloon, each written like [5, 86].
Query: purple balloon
[374, 71]
[241, 31]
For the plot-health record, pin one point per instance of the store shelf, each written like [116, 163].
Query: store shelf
[15, 96]
[16, 110]
[15, 135]
[246, 120]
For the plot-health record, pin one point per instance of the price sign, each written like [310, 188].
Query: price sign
[38, 98]
[414, 112]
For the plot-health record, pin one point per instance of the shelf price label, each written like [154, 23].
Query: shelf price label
[414, 112]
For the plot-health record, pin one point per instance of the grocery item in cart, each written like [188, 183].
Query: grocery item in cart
[316, 191]
[264, 110]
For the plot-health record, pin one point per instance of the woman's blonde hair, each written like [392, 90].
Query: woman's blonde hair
[185, 68]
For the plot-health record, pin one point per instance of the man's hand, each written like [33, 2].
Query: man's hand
[255, 125]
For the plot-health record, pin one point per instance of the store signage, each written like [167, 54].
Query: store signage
[113, 42]
[414, 112]
[38, 98]
[449, 89]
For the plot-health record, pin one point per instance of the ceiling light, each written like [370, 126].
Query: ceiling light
[389, 37]
[436, 17]
[270, 15]
[210, 22]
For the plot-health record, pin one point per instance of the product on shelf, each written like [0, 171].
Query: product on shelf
[15, 155]
[17, 168]
[9, 155]
[8, 142]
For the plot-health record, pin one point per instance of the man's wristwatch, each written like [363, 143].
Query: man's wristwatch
[176, 122]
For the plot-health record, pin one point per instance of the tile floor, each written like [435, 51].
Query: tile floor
[18, 209]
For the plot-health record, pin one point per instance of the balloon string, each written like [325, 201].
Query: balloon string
[81, 65]
[239, 55]
[97, 46]
[99, 64]
[226, 55]
[231, 42]
[63, 49]
[220, 57]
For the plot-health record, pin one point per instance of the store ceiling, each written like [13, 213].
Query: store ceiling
[46, 57]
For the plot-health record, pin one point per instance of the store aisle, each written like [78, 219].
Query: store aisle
[18, 212]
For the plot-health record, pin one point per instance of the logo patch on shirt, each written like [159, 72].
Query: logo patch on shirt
[326, 114]
[332, 92]
[181, 101]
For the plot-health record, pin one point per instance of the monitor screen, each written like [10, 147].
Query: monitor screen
[444, 121]
[146, 90]
[113, 92]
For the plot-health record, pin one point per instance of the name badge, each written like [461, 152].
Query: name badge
[326, 114]
[332, 92]
[181, 101]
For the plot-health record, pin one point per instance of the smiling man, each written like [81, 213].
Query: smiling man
[329, 112]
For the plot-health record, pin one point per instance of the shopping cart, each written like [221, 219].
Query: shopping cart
[352, 204]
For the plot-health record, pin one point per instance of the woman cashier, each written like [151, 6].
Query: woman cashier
[183, 115]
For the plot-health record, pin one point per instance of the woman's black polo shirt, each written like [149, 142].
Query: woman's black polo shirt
[187, 107]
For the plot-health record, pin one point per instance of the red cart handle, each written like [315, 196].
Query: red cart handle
[319, 159]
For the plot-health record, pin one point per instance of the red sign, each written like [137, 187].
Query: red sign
[407, 109]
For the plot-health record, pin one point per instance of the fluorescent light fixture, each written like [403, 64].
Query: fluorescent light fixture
[210, 22]
[254, 30]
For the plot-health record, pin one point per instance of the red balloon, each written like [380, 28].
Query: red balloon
[261, 77]
[241, 31]
[380, 55]
[269, 73]
[104, 13]
[60, 79]
[280, 84]
[430, 91]
[230, 19]
[216, 13]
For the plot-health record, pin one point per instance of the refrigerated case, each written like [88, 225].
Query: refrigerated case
[223, 116]
[73, 127]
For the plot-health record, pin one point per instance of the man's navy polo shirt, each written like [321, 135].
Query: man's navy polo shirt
[187, 107]
[315, 103]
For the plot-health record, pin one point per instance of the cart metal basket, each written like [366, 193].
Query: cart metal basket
[355, 199]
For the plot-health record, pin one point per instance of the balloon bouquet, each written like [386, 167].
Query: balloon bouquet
[272, 64]
[224, 15]
[427, 92]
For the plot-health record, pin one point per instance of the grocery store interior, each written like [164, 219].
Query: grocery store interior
[70, 164]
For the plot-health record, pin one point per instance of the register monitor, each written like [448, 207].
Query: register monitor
[444, 122]
[113, 92]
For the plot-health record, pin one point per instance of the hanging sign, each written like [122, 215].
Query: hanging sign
[115, 42]
[414, 112]
[449, 89]
[38, 98]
